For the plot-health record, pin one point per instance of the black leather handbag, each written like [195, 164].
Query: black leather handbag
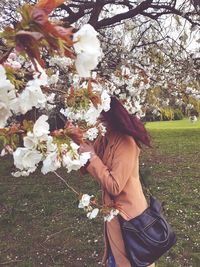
[147, 236]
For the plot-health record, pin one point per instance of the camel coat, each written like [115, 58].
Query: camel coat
[116, 167]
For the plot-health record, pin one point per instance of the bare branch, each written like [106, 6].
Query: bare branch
[131, 13]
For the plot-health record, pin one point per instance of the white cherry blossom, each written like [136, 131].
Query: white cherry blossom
[101, 128]
[91, 133]
[53, 79]
[51, 163]
[84, 157]
[50, 145]
[71, 159]
[62, 62]
[92, 114]
[21, 173]
[105, 101]
[40, 77]
[26, 159]
[86, 62]
[71, 164]
[51, 98]
[4, 113]
[93, 214]
[86, 40]
[41, 127]
[30, 141]
[84, 201]
[87, 47]
[8, 101]
[111, 215]
[32, 96]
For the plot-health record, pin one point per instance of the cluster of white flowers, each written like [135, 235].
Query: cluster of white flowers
[111, 215]
[87, 47]
[91, 133]
[179, 102]
[28, 157]
[193, 92]
[189, 106]
[128, 85]
[93, 213]
[61, 62]
[85, 203]
[71, 159]
[102, 129]
[39, 146]
[32, 95]
[8, 102]
[91, 114]
[53, 79]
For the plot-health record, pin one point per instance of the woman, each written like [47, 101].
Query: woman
[115, 164]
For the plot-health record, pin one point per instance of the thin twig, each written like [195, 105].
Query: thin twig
[63, 180]
[52, 235]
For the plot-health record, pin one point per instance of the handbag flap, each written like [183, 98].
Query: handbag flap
[140, 222]
[145, 219]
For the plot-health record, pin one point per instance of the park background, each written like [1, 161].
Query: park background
[151, 61]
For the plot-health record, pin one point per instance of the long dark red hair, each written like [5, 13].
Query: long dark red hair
[121, 121]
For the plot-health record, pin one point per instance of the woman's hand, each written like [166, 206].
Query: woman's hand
[87, 147]
[74, 132]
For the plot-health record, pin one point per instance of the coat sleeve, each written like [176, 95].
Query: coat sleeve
[125, 159]
[83, 170]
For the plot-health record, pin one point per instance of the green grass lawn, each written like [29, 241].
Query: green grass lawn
[180, 124]
[41, 226]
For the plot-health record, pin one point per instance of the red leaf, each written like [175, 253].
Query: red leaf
[89, 87]
[95, 99]
[64, 33]
[39, 16]
[35, 35]
[49, 5]
[27, 41]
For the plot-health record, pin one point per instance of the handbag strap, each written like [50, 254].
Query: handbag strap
[143, 182]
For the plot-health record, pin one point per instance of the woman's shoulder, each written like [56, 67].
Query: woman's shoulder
[125, 140]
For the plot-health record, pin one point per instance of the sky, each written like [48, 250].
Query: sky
[193, 36]
[170, 25]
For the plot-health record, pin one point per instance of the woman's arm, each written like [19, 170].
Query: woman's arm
[124, 161]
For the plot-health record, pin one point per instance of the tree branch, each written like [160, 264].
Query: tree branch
[96, 12]
[129, 14]
[74, 16]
